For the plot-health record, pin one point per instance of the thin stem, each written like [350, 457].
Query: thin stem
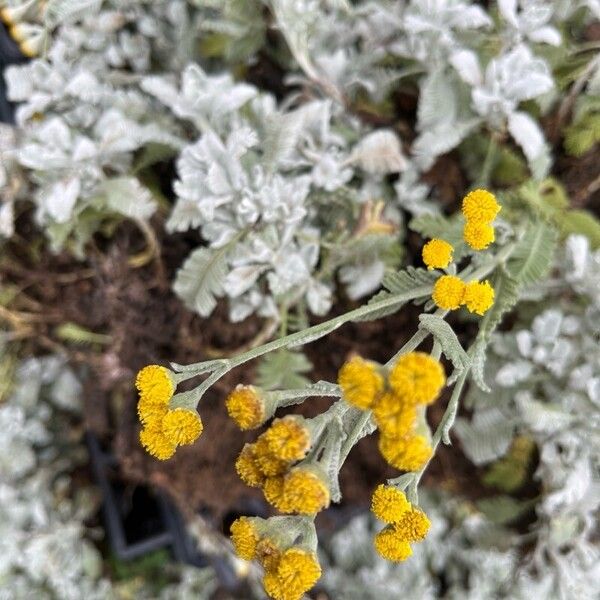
[354, 434]
[488, 163]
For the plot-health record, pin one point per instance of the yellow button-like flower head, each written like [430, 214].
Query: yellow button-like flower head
[273, 586]
[479, 297]
[182, 426]
[390, 546]
[273, 490]
[437, 254]
[478, 235]
[406, 454]
[412, 526]
[246, 406]
[297, 572]
[269, 464]
[305, 490]
[155, 442]
[389, 503]
[244, 537]
[288, 438]
[361, 382]
[480, 206]
[154, 384]
[448, 292]
[417, 378]
[149, 410]
[247, 467]
[394, 415]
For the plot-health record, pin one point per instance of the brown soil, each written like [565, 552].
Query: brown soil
[146, 323]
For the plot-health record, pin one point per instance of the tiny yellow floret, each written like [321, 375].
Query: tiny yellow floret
[268, 463]
[244, 538]
[417, 378]
[437, 254]
[412, 526]
[361, 382]
[154, 384]
[389, 503]
[288, 438]
[247, 467]
[155, 442]
[407, 454]
[480, 206]
[273, 490]
[478, 235]
[448, 292]
[182, 426]
[246, 407]
[479, 297]
[390, 546]
[273, 586]
[305, 490]
[394, 415]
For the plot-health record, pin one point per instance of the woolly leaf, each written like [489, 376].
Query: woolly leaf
[541, 416]
[438, 226]
[57, 12]
[445, 335]
[487, 437]
[408, 279]
[382, 312]
[283, 369]
[532, 257]
[200, 281]
[583, 135]
[126, 196]
[478, 357]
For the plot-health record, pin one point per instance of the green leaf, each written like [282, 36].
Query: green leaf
[532, 257]
[283, 369]
[502, 510]
[583, 222]
[438, 226]
[128, 197]
[408, 279]
[445, 335]
[383, 312]
[510, 472]
[200, 281]
[478, 358]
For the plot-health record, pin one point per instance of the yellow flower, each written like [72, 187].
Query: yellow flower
[437, 254]
[149, 410]
[273, 586]
[247, 467]
[155, 442]
[182, 426]
[406, 454]
[391, 546]
[479, 297]
[478, 235]
[246, 406]
[274, 494]
[448, 292]
[288, 438]
[412, 526]
[394, 415]
[297, 572]
[361, 382]
[268, 554]
[417, 377]
[480, 206]
[305, 490]
[154, 384]
[244, 538]
[268, 463]
[389, 503]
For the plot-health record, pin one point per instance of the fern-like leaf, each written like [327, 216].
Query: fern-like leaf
[532, 257]
[200, 281]
[445, 335]
[283, 369]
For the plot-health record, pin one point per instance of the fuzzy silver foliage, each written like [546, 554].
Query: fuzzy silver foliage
[45, 548]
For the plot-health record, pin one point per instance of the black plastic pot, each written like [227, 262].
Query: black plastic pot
[9, 55]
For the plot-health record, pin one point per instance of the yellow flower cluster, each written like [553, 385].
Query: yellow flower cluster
[415, 379]
[246, 406]
[479, 208]
[405, 524]
[289, 572]
[437, 254]
[451, 292]
[163, 428]
[269, 462]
